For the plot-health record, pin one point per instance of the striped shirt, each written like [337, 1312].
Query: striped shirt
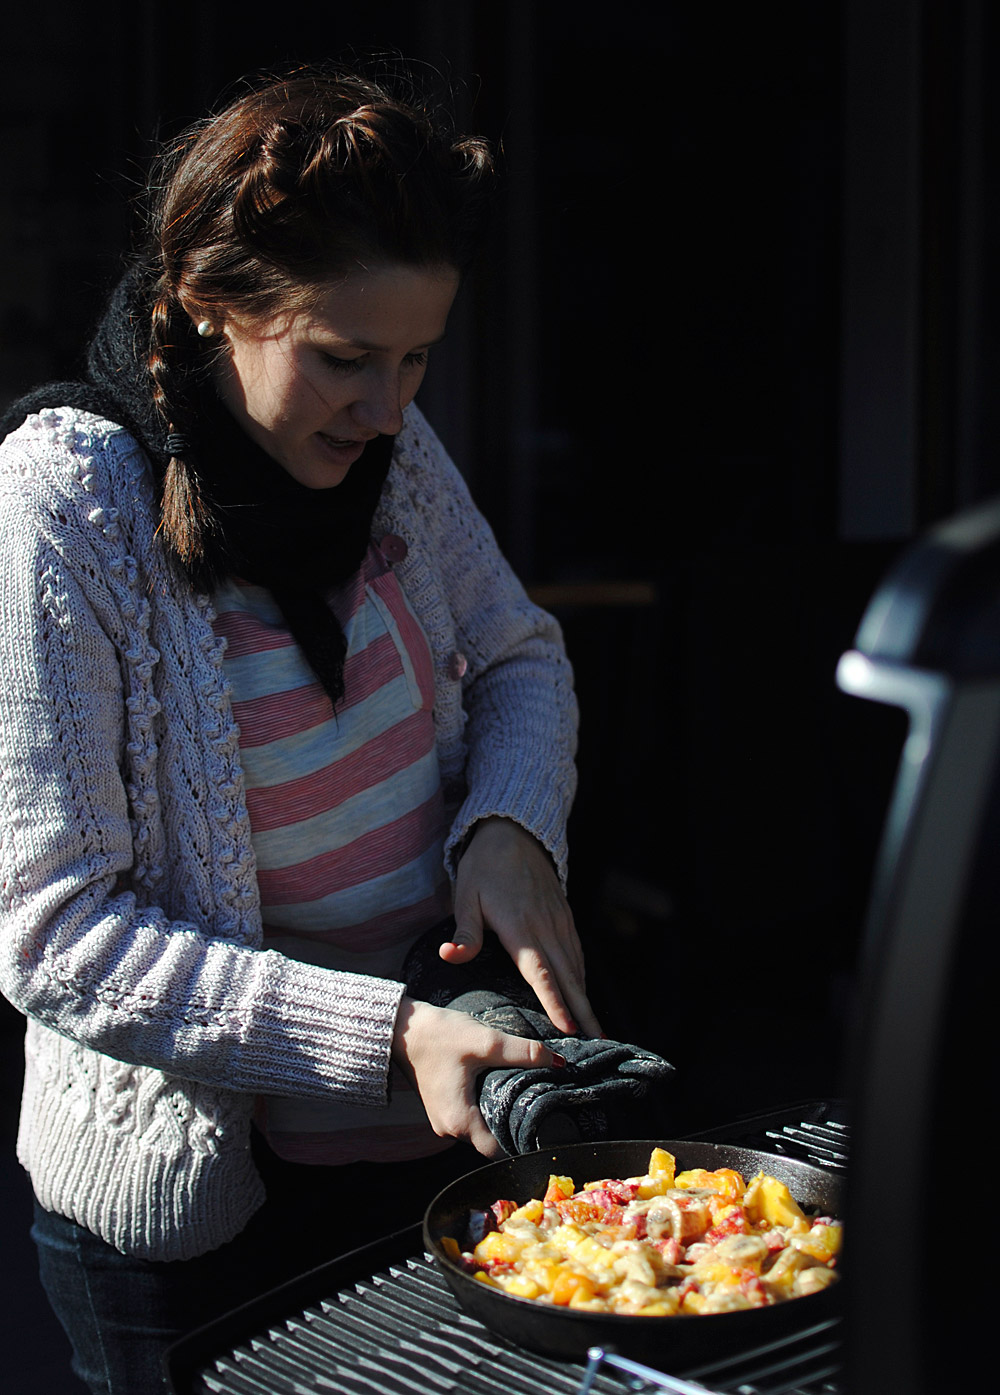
[347, 820]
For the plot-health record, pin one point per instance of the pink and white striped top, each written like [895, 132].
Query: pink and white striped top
[347, 820]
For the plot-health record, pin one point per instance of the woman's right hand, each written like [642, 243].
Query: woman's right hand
[443, 1053]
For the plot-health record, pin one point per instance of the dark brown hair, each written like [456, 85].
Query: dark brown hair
[298, 181]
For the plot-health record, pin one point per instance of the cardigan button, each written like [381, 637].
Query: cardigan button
[457, 666]
[393, 548]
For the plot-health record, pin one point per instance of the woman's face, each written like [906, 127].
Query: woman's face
[311, 388]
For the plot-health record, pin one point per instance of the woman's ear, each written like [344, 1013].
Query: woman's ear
[208, 324]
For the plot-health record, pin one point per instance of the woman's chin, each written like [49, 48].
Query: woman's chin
[323, 464]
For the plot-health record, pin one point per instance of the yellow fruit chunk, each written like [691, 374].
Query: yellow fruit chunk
[767, 1199]
[565, 1236]
[543, 1273]
[593, 1305]
[694, 1177]
[821, 1242]
[451, 1247]
[570, 1285]
[662, 1164]
[496, 1245]
[718, 1272]
[662, 1308]
[593, 1254]
[559, 1189]
[532, 1211]
[519, 1285]
[723, 1180]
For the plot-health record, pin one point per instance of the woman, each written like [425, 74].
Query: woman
[274, 705]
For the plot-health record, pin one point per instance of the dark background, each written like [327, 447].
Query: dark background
[733, 344]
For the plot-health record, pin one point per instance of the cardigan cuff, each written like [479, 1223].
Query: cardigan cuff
[543, 816]
[321, 1033]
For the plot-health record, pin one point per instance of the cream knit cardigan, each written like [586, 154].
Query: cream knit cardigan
[129, 917]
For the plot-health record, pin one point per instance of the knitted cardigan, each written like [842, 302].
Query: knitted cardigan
[130, 926]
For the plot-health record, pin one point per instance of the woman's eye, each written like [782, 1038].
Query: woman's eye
[342, 365]
[354, 365]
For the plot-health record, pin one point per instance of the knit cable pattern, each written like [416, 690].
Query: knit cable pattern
[129, 916]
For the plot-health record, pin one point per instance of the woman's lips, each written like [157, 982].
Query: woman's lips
[343, 448]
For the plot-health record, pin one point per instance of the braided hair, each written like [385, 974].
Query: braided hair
[297, 182]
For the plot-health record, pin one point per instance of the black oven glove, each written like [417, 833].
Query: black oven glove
[601, 1089]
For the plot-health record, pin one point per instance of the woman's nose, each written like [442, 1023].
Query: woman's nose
[380, 406]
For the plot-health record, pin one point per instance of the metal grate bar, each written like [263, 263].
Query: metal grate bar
[439, 1370]
[350, 1332]
[780, 1347]
[439, 1352]
[798, 1374]
[824, 1144]
[250, 1377]
[227, 1378]
[282, 1374]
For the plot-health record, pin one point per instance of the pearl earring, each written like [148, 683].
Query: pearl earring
[206, 329]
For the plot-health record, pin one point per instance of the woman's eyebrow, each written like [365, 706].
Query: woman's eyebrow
[383, 348]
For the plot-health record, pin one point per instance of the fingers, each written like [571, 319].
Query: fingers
[555, 973]
[506, 879]
[459, 951]
[513, 1053]
[468, 938]
[560, 990]
[444, 1052]
[481, 1138]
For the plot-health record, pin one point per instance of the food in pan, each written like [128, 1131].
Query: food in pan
[662, 1245]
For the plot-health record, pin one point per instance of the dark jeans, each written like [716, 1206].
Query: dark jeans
[122, 1313]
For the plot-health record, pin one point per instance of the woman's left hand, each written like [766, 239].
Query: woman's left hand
[506, 880]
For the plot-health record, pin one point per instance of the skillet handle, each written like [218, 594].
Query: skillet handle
[658, 1379]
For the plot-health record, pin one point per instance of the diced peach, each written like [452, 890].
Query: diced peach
[662, 1164]
[822, 1242]
[693, 1177]
[570, 1284]
[559, 1189]
[520, 1286]
[498, 1246]
[451, 1248]
[543, 1273]
[531, 1211]
[661, 1308]
[767, 1199]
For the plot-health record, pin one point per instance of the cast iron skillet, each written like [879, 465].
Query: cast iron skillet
[667, 1342]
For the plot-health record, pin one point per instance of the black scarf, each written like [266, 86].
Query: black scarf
[299, 543]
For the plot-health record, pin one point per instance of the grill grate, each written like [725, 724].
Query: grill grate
[399, 1330]
[395, 1334]
[816, 1133]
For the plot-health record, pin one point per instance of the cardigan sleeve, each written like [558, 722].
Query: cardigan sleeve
[517, 684]
[80, 950]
